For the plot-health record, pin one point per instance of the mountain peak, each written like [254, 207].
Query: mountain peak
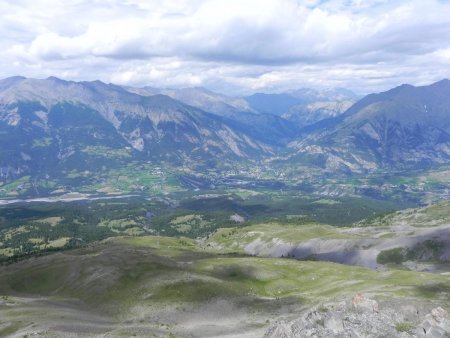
[10, 81]
[442, 83]
[94, 83]
[404, 86]
[55, 79]
[14, 78]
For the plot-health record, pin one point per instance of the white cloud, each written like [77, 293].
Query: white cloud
[232, 45]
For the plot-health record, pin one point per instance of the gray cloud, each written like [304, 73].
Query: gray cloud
[231, 45]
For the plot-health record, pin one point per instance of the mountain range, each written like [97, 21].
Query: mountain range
[403, 128]
[47, 125]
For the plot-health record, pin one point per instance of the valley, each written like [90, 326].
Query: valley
[186, 213]
[225, 169]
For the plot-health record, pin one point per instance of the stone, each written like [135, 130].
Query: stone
[439, 314]
[436, 324]
[334, 324]
[360, 302]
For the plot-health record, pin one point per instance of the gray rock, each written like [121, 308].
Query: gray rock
[435, 325]
[334, 324]
[364, 317]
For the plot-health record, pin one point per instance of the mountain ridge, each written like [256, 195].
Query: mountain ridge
[71, 116]
[53, 119]
[405, 127]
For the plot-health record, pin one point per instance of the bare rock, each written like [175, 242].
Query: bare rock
[435, 325]
[439, 315]
[362, 317]
[360, 302]
[334, 324]
[237, 218]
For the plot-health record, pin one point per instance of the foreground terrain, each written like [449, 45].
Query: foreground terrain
[160, 286]
[177, 286]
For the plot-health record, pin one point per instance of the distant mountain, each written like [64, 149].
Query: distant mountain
[52, 124]
[201, 98]
[48, 126]
[406, 127]
[275, 104]
[307, 114]
[263, 126]
[304, 106]
[310, 95]
[273, 118]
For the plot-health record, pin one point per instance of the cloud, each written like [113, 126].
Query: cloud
[232, 45]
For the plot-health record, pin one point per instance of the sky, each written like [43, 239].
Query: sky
[233, 46]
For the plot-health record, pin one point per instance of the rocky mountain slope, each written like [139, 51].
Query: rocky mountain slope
[50, 125]
[365, 317]
[308, 114]
[51, 122]
[304, 106]
[215, 103]
[405, 127]
[263, 125]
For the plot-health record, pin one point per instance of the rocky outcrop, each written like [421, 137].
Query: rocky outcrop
[364, 245]
[436, 324]
[365, 317]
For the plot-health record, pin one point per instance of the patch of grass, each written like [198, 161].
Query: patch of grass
[166, 246]
[315, 281]
[36, 280]
[404, 326]
[118, 225]
[323, 309]
[388, 235]
[103, 151]
[7, 252]
[41, 142]
[186, 223]
[193, 291]
[58, 243]
[53, 221]
[134, 231]
[16, 187]
[9, 330]
[435, 290]
[434, 215]
[326, 201]
[36, 240]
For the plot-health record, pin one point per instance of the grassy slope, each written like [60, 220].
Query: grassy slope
[157, 285]
[146, 278]
[233, 239]
[434, 215]
[297, 231]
